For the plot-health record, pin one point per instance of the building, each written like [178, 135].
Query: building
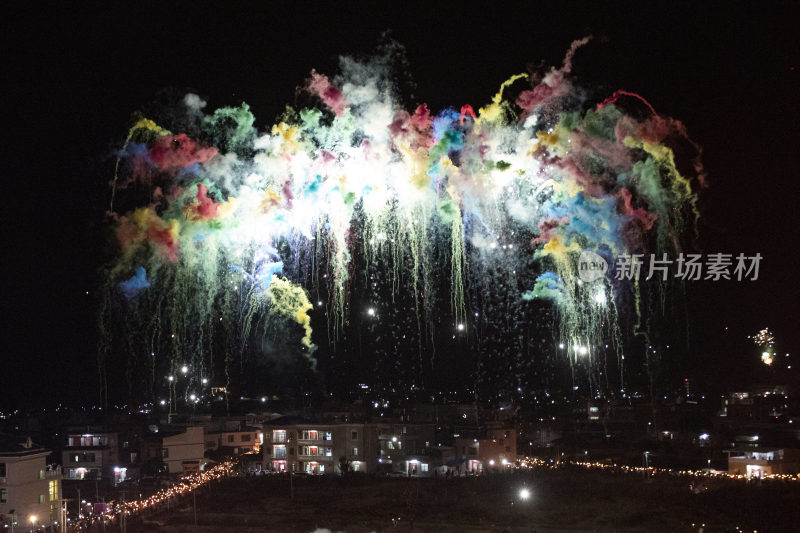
[405, 447]
[466, 456]
[299, 445]
[92, 454]
[237, 440]
[30, 490]
[176, 450]
[765, 404]
[764, 461]
[496, 449]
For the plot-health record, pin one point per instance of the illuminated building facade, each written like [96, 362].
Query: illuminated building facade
[30, 489]
[292, 444]
[179, 450]
[94, 455]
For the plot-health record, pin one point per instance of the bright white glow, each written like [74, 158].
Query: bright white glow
[263, 399]
[170, 378]
[371, 311]
[184, 369]
[581, 350]
[205, 380]
[524, 494]
[163, 402]
[461, 327]
[561, 345]
[192, 397]
[600, 297]
[491, 462]
[704, 436]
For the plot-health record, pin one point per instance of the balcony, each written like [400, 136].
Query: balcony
[321, 457]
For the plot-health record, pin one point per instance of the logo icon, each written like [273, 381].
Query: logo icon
[591, 266]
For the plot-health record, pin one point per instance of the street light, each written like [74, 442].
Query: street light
[32, 518]
[524, 494]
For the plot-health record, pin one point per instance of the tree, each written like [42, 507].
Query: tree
[344, 464]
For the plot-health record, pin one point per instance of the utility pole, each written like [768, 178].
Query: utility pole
[194, 506]
[62, 511]
[123, 527]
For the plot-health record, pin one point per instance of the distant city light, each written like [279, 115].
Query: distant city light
[184, 369]
[371, 311]
[461, 327]
[170, 378]
[524, 494]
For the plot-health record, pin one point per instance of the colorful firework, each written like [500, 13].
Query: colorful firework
[223, 231]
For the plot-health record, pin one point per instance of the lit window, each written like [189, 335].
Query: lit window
[423, 467]
[355, 452]
[3, 495]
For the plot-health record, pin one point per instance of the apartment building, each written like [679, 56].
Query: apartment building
[299, 445]
[30, 490]
[91, 453]
[239, 439]
[179, 450]
[494, 450]
[405, 447]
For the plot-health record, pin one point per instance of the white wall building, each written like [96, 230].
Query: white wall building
[29, 490]
[92, 455]
[181, 450]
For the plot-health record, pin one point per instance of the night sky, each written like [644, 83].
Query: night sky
[73, 77]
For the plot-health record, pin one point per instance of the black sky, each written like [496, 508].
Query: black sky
[73, 76]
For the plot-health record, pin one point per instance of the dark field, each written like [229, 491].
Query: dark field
[567, 499]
